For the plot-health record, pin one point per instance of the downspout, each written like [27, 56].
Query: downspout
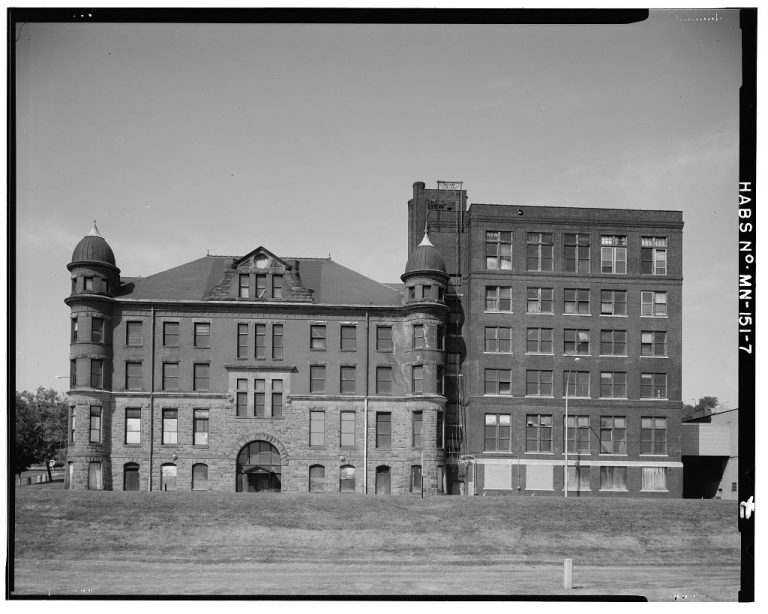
[151, 401]
[365, 403]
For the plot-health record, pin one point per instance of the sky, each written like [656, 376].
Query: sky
[187, 139]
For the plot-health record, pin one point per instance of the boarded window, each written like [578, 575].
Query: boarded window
[200, 476]
[316, 478]
[538, 477]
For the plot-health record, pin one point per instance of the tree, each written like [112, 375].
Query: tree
[703, 408]
[41, 429]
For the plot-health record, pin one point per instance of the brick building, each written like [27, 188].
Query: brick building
[262, 373]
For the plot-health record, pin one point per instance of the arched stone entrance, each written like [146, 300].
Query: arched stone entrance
[259, 468]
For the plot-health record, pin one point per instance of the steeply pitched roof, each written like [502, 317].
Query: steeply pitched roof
[330, 282]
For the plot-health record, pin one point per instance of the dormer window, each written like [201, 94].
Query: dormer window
[244, 286]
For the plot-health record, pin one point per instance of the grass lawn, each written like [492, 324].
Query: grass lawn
[184, 543]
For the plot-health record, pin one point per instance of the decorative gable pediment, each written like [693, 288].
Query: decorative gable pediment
[261, 260]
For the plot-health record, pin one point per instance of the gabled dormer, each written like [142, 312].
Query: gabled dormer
[260, 275]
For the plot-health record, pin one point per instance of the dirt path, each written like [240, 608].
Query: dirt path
[656, 583]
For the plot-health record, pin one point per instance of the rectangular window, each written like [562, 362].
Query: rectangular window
[133, 333]
[95, 426]
[540, 251]
[277, 398]
[613, 342]
[440, 337]
[383, 380]
[440, 380]
[72, 424]
[576, 301]
[613, 435]
[498, 250]
[538, 383]
[277, 286]
[578, 479]
[241, 396]
[383, 338]
[347, 429]
[259, 398]
[242, 341]
[418, 336]
[498, 433]
[654, 478]
[576, 248]
[613, 478]
[88, 284]
[73, 373]
[417, 418]
[202, 335]
[261, 341]
[200, 427]
[577, 385]
[613, 385]
[74, 330]
[347, 379]
[578, 434]
[498, 339]
[383, 429]
[613, 254]
[170, 376]
[171, 334]
[201, 377]
[440, 438]
[348, 338]
[653, 343]
[538, 433]
[97, 373]
[653, 304]
[653, 436]
[653, 255]
[277, 341]
[417, 379]
[94, 476]
[97, 329]
[317, 379]
[576, 341]
[498, 381]
[317, 336]
[540, 300]
[133, 376]
[170, 426]
[244, 284]
[653, 385]
[613, 302]
[498, 298]
[261, 285]
[539, 341]
[317, 428]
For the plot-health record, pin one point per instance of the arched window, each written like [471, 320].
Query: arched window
[383, 480]
[316, 478]
[259, 468]
[347, 479]
[131, 476]
[168, 477]
[200, 476]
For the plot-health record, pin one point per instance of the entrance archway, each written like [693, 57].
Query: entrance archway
[259, 468]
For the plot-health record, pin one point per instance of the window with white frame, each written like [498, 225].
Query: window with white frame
[578, 434]
[170, 426]
[498, 381]
[654, 478]
[498, 433]
[613, 478]
[613, 254]
[498, 298]
[653, 304]
[539, 341]
[653, 435]
[613, 302]
[613, 385]
[538, 433]
[316, 428]
[653, 385]
[653, 255]
[498, 339]
[577, 385]
[538, 383]
[576, 341]
[539, 251]
[576, 301]
[579, 478]
[613, 435]
[613, 343]
[539, 300]
[133, 426]
[498, 250]
[576, 248]
[653, 343]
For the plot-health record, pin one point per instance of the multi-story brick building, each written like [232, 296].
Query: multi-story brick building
[262, 373]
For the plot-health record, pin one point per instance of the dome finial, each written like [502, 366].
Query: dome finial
[94, 231]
